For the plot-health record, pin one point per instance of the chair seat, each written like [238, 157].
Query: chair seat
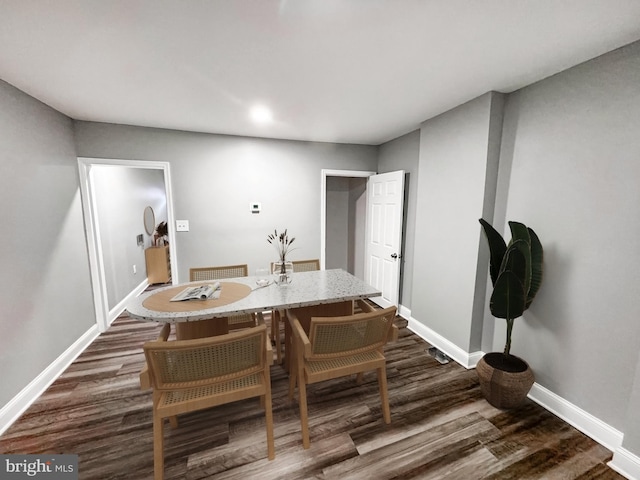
[171, 402]
[318, 370]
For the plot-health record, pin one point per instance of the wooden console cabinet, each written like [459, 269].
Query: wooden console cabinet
[158, 264]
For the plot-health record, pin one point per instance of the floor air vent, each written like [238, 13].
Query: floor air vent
[438, 355]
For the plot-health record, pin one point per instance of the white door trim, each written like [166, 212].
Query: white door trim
[323, 203]
[96, 265]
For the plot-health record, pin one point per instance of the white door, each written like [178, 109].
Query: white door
[385, 199]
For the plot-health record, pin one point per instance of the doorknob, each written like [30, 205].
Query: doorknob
[394, 256]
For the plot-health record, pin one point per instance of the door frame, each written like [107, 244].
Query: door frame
[323, 202]
[89, 208]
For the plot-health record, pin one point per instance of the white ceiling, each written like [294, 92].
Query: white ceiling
[349, 71]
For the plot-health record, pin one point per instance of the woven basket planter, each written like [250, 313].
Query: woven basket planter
[504, 382]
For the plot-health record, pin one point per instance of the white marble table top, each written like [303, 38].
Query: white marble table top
[306, 289]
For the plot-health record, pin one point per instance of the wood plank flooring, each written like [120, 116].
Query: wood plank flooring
[441, 426]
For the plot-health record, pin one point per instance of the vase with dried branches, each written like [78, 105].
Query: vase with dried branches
[282, 269]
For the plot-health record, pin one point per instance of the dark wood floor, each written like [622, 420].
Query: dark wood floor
[441, 427]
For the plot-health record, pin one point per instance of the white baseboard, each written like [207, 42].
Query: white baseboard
[595, 428]
[404, 312]
[120, 307]
[623, 462]
[466, 359]
[626, 464]
[18, 404]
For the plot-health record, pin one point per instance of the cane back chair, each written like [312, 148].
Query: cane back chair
[191, 375]
[338, 347]
[198, 274]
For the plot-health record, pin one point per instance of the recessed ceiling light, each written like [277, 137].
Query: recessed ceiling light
[261, 114]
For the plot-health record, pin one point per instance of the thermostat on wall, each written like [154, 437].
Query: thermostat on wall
[256, 207]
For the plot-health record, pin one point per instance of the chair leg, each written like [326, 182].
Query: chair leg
[293, 373]
[292, 386]
[384, 396]
[158, 447]
[304, 416]
[173, 421]
[268, 414]
[272, 334]
[275, 334]
[287, 345]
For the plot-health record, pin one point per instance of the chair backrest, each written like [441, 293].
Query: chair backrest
[217, 273]
[306, 265]
[347, 335]
[185, 364]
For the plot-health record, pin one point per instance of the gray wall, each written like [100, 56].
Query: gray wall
[216, 177]
[456, 159]
[403, 154]
[568, 167]
[571, 158]
[357, 226]
[45, 288]
[632, 426]
[121, 194]
[345, 217]
[337, 228]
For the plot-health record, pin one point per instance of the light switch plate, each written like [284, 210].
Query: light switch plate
[255, 207]
[182, 225]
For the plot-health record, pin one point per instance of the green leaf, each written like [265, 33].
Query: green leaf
[536, 267]
[497, 249]
[508, 297]
[518, 260]
[519, 231]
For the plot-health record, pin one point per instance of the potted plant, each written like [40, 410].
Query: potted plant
[162, 231]
[516, 275]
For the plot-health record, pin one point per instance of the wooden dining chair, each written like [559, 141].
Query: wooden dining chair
[338, 347]
[306, 265]
[298, 266]
[221, 272]
[217, 273]
[191, 375]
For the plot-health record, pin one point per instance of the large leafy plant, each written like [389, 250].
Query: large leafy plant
[516, 272]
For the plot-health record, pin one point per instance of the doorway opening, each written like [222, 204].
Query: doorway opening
[102, 274]
[343, 220]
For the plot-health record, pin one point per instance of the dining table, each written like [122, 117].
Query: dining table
[314, 293]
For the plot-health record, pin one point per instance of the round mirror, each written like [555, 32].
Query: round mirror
[149, 220]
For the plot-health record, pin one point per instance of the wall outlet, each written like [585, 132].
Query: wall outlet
[182, 225]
